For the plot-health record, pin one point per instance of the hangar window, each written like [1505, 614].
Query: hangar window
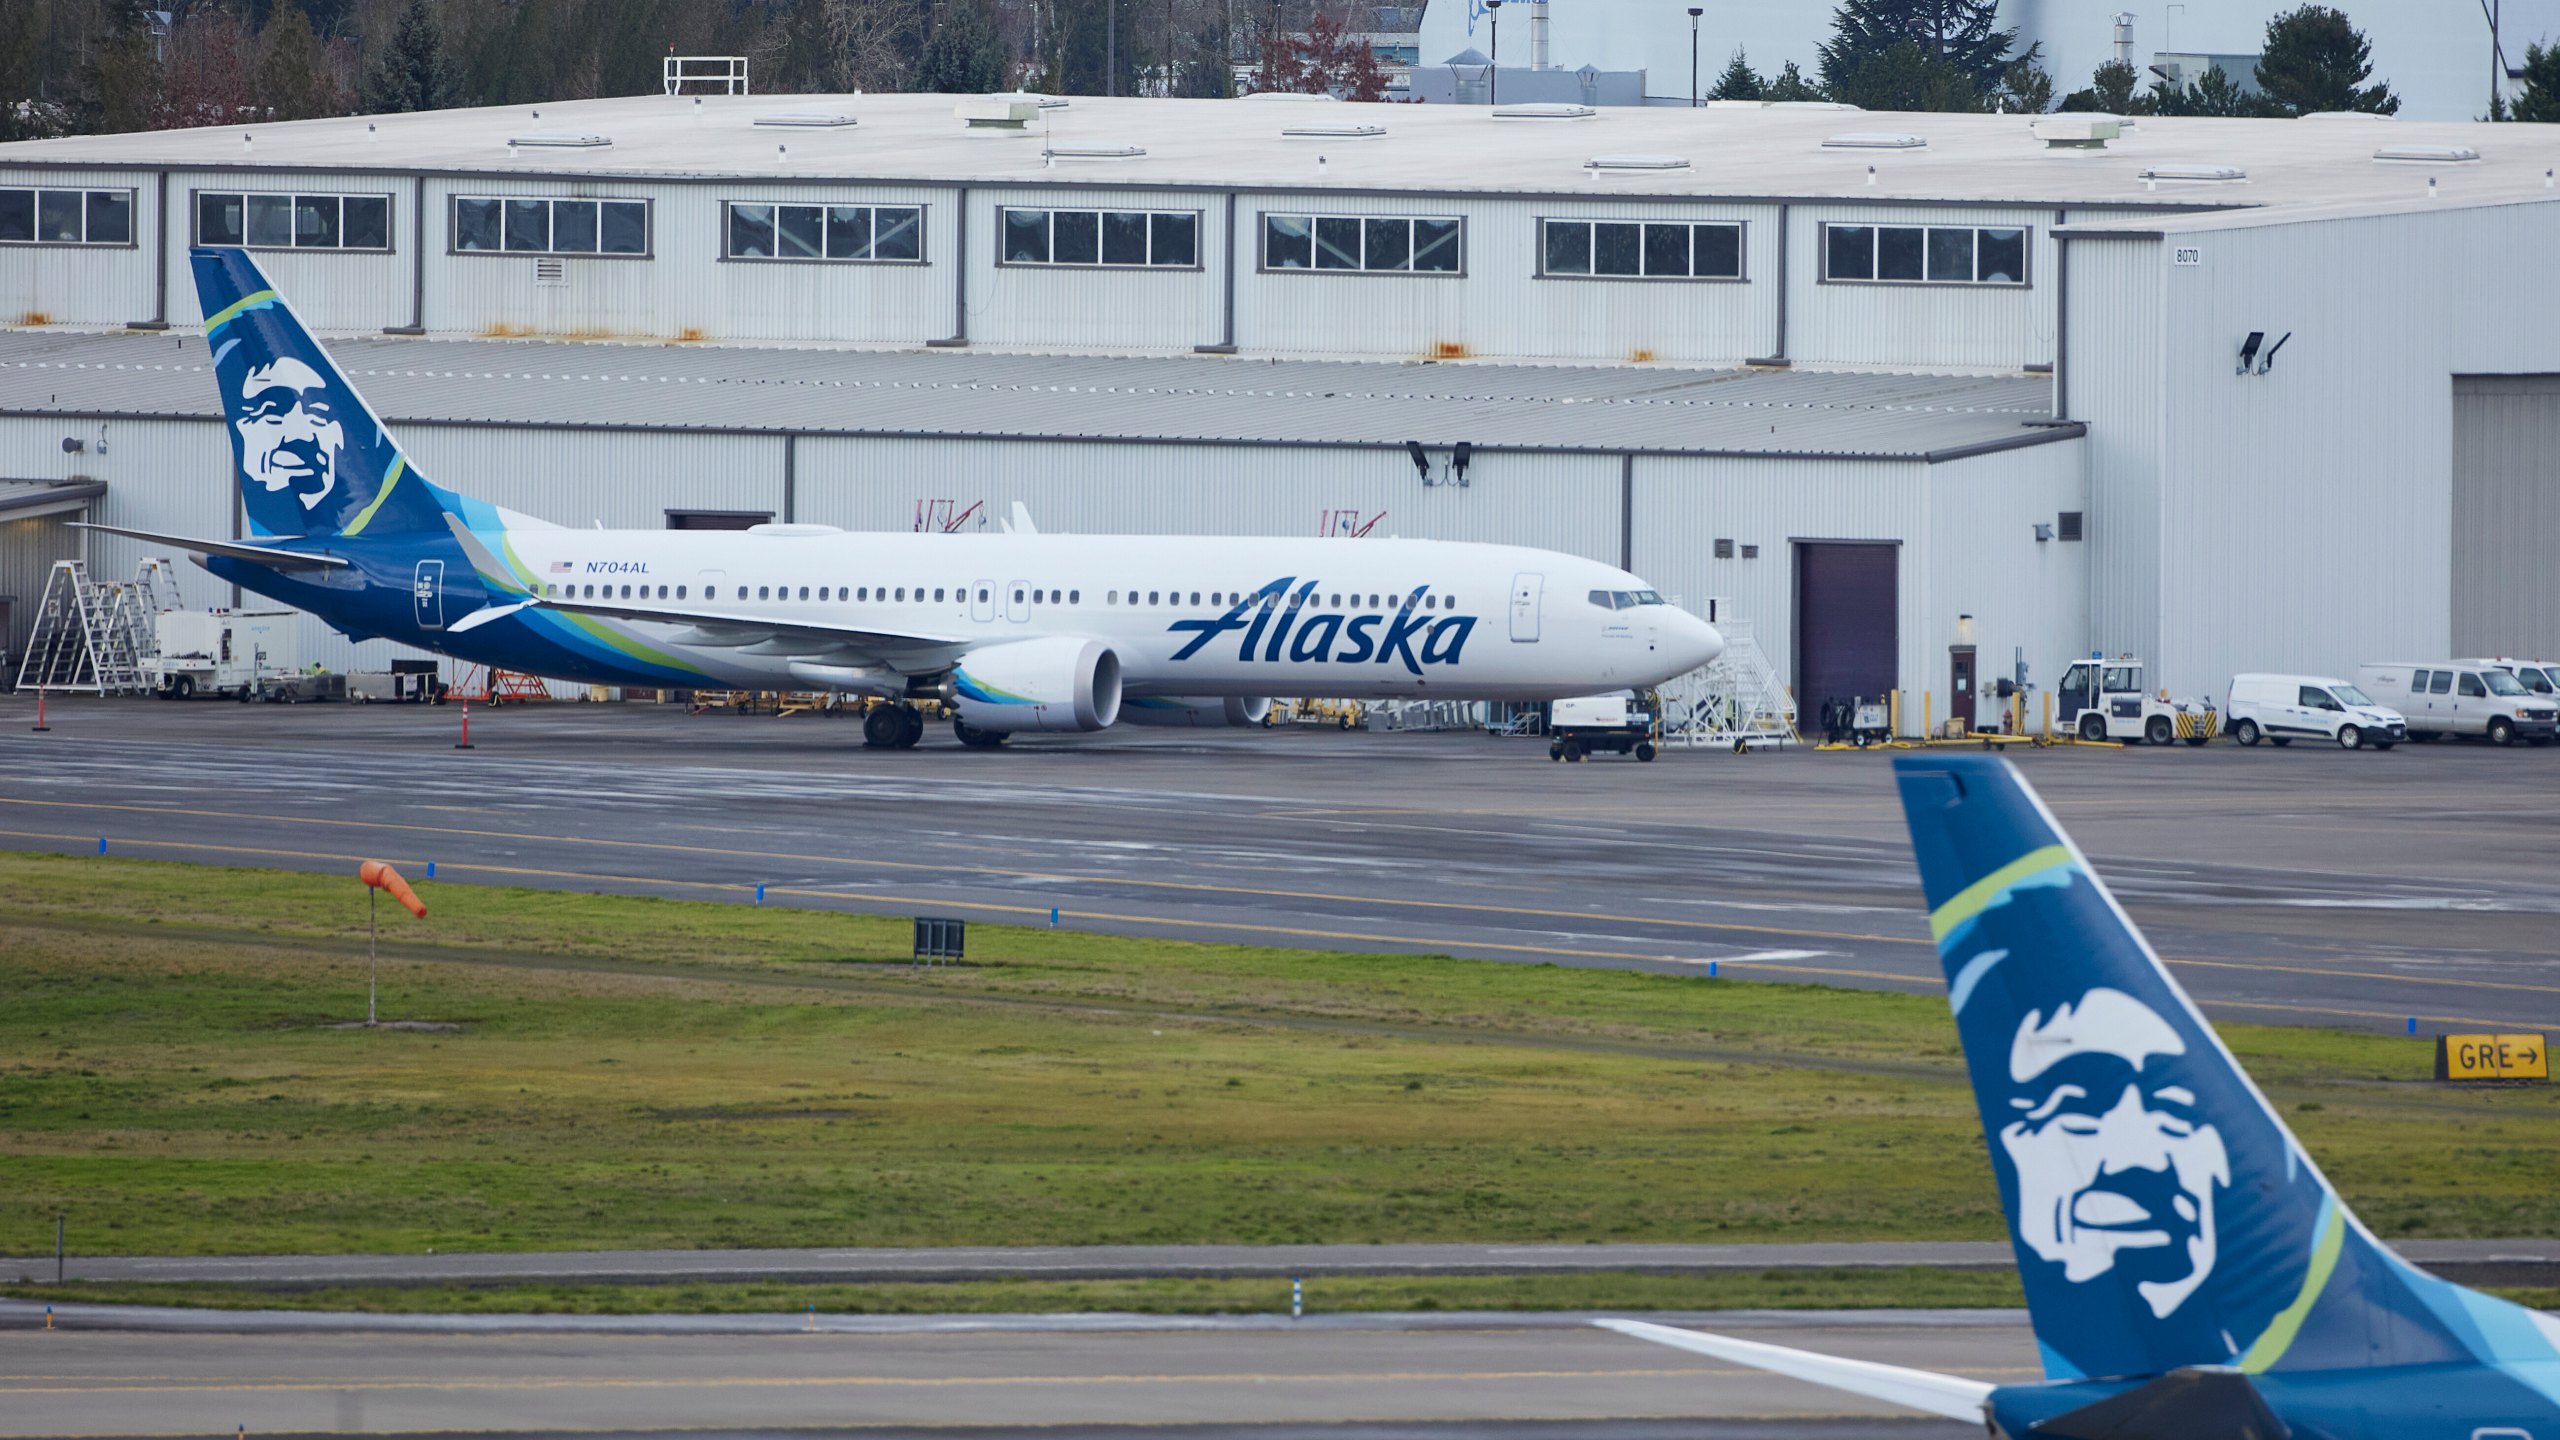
[1115, 239]
[293, 222]
[66, 217]
[530, 225]
[1375, 244]
[1924, 254]
[1640, 250]
[877, 234]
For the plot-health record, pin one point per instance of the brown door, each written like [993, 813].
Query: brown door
[1960, 684]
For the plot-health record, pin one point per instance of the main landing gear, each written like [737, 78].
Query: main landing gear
[892, 727]
[975, 738]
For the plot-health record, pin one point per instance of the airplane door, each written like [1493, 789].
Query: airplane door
[427, 590]
[1017, 602]
[1527, 591]
[982, 600]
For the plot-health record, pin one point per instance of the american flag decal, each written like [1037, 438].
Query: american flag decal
[559, 567]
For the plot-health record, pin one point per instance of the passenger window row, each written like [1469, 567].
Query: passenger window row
[915, 594]
[1310, 600]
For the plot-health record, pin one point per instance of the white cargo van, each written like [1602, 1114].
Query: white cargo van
[2448, 697]
[2539, 680]
[2284, 708]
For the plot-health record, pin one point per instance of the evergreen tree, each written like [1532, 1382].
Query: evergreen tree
[963, 55]
[414, 70]
[1082, 48]
[1903, 76]
[119, 83]
[2113, 90]
[295, 79]
[2025, 88]
[2214, 93]
[1791, 86]
[1959, 35]
[1739, 81]
[2541, 98]
[2316, 61]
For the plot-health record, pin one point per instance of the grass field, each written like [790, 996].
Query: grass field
[174, 1076]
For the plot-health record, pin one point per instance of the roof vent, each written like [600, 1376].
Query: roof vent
[561, 140]
[2077, 132]
[2209, 174]
[2429, 154]
[1875, 140]
[1736, 105]
[1344, 131]
[1812, 105]
[1033, 97]
[2343, 115]
[998, 112]
[1637, 162]
[1283, 96]
[1544, 110]
[805, 120]
[1093, 150]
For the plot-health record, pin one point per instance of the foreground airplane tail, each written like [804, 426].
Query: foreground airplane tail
[310, 457]
[2162, 1214]
[2189, 1273]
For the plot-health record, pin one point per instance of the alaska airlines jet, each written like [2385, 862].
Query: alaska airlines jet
[1013, 632]
[2189, 1272]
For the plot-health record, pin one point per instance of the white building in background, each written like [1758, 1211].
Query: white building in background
[2233, 395]
[2434, 53]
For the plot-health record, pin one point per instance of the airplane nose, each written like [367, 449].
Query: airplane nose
[1699, 643]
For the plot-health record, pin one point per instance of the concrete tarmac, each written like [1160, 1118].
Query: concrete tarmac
[1560, 1378]
[2299, 885]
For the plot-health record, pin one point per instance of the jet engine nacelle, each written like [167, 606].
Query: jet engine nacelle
[1203, 712]
[1057, 683]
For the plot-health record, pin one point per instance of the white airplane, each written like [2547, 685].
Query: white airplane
[1014, 632]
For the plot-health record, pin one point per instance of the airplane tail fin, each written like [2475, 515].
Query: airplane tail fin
[2162, 1214]
[310, 457]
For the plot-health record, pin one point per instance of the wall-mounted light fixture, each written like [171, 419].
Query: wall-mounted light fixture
[2249, 350]
[1460, 455]
[1421, 459]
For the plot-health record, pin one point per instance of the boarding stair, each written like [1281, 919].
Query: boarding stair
[1735, 701]
[87, 636]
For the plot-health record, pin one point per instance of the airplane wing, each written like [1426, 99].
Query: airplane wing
[758, 634]
[273, 559]
[1950, 1395]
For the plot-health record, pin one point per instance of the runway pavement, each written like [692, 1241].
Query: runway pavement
[2492, 1262]
[2300, 885]
[1386, 1377]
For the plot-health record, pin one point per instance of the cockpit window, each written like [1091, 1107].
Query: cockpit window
[1604, 599]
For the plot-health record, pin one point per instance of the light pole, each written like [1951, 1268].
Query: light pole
[1493, 84]
[1694, 12]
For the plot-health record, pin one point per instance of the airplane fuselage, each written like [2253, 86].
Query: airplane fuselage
[1193, 616]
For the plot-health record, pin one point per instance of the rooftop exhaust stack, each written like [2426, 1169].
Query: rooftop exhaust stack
[1538, 56]
[2124, 37]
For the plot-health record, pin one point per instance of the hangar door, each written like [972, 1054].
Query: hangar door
[1847, 622]
[2506, 515]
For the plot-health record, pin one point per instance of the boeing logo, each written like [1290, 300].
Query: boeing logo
[1277, 626]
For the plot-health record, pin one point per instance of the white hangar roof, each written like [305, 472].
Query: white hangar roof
[1776, 152]
[1614, 409]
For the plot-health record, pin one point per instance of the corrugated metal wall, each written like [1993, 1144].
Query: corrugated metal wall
[1983, 560]
[2506, 515]
[685, 289]
[28, 549]
[1997, 327]
[82, 284]
[2318, 498]
[2113, 381]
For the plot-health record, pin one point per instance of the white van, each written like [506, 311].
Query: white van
[2539, 679]
[2284, 708]
[2449, 697]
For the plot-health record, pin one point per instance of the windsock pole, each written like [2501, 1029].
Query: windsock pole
[378, 877]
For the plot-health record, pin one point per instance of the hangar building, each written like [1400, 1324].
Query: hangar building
[1850, 377]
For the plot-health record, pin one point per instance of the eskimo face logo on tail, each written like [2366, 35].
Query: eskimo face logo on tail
[2116, 1168]
[291, 441]
[1280, 623]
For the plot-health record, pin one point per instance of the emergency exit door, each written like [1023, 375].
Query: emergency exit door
[427, 590]
[1528, 594]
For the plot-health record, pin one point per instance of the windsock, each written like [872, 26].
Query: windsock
[383, 877]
